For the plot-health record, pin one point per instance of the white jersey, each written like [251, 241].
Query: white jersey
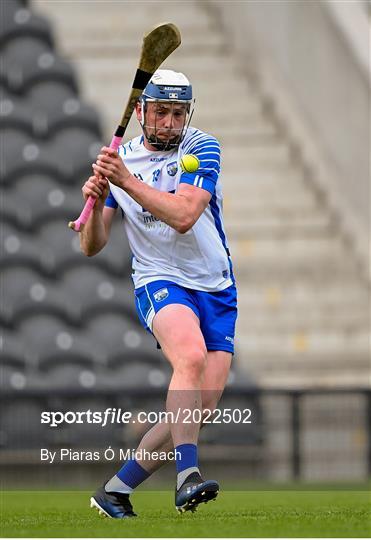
[198, 259]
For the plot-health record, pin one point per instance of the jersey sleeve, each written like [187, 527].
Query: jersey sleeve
[111, 201]
[207, 150]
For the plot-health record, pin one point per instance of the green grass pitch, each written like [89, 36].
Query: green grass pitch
[234, 514]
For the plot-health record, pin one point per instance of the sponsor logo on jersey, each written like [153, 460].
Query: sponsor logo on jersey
[229, 338]
[149, 219]
[225, 274]
[160, 295]
[172, 168]
[157, 159]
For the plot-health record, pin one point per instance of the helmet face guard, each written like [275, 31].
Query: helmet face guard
[156, 135]
[171, 89]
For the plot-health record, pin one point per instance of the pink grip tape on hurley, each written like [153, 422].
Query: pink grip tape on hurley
[89, 205]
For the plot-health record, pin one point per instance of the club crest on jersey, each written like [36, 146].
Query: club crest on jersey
[161, 295]
[172, 168]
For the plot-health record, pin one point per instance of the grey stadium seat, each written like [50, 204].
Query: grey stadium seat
[135, 375]
[62, 244]
[26, 293]
[12, 358]
[67, 156]
[116, 255]
[65, 246]
[74, 149]
[12, 142]
[20, 248]
[57, 107]
[38, 198]
[9, 7]
[11, 375]
[16, 20]
[10, 347]
[27, 61]
[121, 339]
[17, 371]
[94, 291]
[70, 372]
[15, 211]
[52, 343]
[47, 108]
[21, 54]
[16, 112]
[24, 155]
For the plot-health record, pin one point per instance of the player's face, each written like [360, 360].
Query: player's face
[164, 123]
[165, 120]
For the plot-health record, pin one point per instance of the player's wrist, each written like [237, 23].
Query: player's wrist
[125, 180]
[98, 207]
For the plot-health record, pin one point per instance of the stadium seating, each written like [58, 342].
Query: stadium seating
[64, 247]
[15, 212]
[18, 21]
[46, 108]
[27, 61]
[13, 364]
[21, 248]
[58, 106]
[17, 146]
[15, 112]
[37, 198]
[23, 155]
[116, 255]
[120, 337]
[93, 292]
[52, 343]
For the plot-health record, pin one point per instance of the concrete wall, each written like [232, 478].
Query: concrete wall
[302, 48]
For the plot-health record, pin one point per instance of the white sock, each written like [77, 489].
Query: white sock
[117, 485]
[184, 474]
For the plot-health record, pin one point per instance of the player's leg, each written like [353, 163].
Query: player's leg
[176, 327]
[158, 438]
[217, 314]
[220, 317]
[191, 489]
[216, 376]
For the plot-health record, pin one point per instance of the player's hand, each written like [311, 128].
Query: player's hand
[97, 187]
[110, 165]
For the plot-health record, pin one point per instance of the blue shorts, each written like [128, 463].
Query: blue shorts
[217, 311]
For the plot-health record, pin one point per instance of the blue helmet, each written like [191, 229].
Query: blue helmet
[167, 86]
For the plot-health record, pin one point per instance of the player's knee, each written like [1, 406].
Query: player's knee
[195, 362]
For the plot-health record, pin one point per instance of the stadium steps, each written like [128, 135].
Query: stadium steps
[303, 305]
